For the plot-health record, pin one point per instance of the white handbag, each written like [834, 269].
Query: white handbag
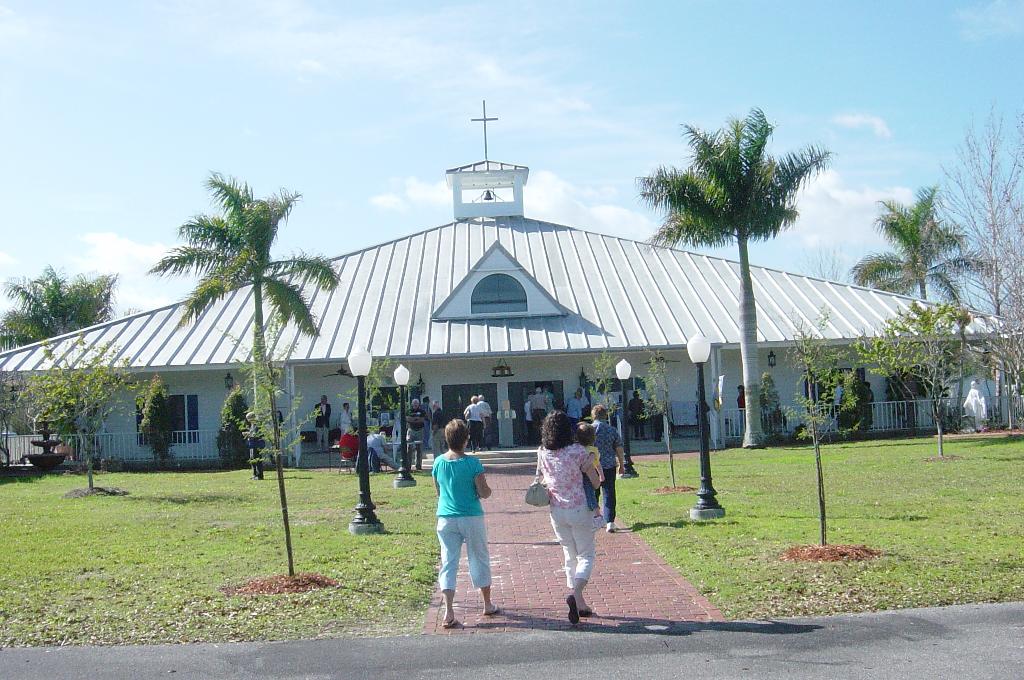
[537, 494]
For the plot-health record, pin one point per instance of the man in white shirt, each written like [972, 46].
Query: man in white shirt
[485, 416]
[475, 419]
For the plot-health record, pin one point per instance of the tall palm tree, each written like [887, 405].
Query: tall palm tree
[926, 251]
[733, 192]
[52, 304]
[232, 250]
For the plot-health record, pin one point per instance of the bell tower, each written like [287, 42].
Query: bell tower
[487, 188]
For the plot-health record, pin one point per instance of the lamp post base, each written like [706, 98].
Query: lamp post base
[402, 482]
[359, 528]
[698, 514]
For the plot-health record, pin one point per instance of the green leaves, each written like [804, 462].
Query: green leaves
[52, 305]
[926, 251]
[733, 189]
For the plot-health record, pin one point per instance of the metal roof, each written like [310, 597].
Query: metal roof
[619, 294]
[486, 166]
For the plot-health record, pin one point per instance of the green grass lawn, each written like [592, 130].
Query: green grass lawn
[952, 532]
[147, 567]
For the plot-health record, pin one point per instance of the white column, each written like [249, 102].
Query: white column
[293, 426]
[716, 415]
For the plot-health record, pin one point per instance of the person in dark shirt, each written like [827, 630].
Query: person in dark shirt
[636, 415]
[437, 425]
[416, 421]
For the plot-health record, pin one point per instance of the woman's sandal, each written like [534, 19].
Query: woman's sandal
[454, 623]
[493, 612]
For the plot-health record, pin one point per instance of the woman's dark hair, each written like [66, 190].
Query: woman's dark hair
[456, 434]
[556, 432]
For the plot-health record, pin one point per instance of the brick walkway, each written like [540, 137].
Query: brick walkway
[631, 586]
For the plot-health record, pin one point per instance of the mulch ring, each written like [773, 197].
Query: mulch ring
[280, 585]
[673, 489]
[96, 491]
[830, 553]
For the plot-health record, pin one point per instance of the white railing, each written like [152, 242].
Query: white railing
[893, 416]
[186, 445]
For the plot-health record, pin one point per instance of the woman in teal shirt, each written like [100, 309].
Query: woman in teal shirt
[460, 484]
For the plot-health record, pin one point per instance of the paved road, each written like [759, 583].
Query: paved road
[968, 642]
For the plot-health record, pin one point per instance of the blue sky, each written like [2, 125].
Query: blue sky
[113, 117]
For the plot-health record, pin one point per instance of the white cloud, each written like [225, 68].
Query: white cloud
[546, 197]
[836, 215]
[414, 192]
[110, 253]
[388, 202]
[996, 19]
[856, 121]
[549, 197]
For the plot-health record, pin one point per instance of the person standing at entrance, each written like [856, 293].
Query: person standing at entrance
[323, 422]
[574, 408]
[486, 416]
[475, 419]
[437, 428]
[609, 446]
[636, 415]
[460, 484]
[537, 412]
[563, 463]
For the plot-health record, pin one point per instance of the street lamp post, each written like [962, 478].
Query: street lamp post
[404, 477]
[707, 507]
[365, 521]
[622, 372]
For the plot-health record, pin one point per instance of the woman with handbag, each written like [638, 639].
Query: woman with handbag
[562, 463]
[460, 484]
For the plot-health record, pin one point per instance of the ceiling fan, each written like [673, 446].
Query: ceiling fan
[339, 372]
[660, 358]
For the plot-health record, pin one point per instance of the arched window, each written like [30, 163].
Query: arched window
[498, 293]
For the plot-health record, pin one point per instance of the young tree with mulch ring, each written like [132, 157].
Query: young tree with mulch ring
[78, 393]
[925, 345]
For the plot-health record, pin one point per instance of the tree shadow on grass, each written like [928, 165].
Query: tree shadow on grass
[682, 524]
[197, 498]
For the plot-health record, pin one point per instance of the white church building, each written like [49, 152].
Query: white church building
[493, 303]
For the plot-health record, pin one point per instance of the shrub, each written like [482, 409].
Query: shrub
[156, 422]
[231, 436]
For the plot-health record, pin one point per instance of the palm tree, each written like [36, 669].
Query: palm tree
[232, 250]
[733, 192]
[926, 251]
[52, 304]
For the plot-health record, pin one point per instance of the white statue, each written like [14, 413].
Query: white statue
[974, 406]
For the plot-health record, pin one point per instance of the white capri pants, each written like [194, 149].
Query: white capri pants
[452, 532]
[574, 528]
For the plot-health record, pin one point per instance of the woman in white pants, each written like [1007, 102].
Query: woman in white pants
[562, 463]
[460, 483]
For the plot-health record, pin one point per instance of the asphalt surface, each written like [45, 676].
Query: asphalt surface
[965, 642]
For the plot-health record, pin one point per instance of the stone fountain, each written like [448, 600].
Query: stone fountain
[47, 460]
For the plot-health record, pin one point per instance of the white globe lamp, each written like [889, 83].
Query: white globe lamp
[699, 348]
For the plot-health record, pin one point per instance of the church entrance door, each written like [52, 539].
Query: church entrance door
[523, 434]
[455, 399]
